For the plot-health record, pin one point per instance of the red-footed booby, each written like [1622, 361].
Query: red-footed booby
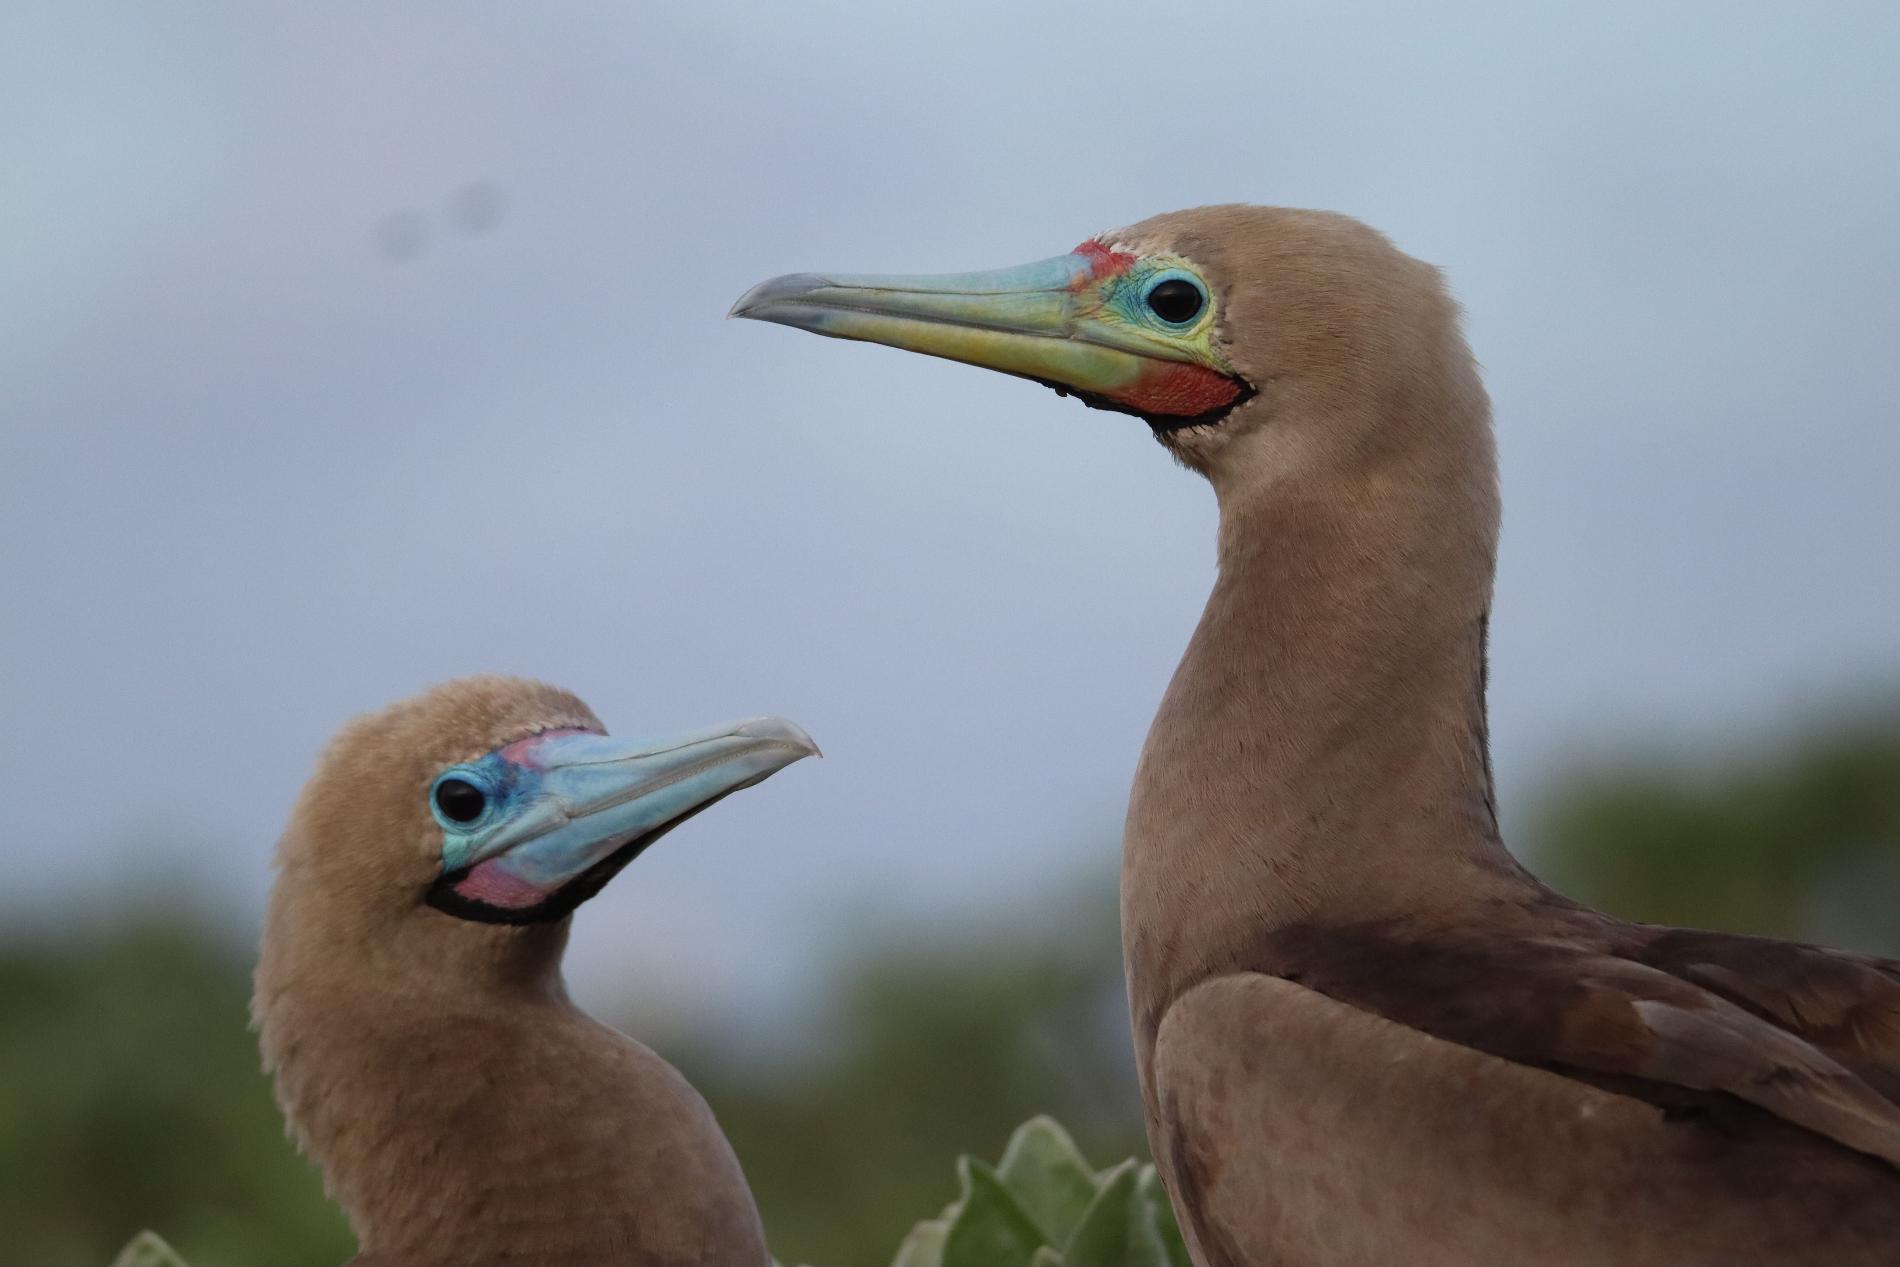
[409, 999]
[1364, 1032]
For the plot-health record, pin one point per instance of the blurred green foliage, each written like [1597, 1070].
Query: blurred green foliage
[130, 1095]
[1800, 842]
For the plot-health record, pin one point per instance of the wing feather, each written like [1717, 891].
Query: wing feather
[1793, 1038]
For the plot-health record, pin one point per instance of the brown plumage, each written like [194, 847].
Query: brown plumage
[1364, 1032]
[462, 1109]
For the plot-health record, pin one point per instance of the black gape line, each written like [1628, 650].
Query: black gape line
[560, 903]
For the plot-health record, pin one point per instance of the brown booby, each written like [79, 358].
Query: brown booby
[1364, 1032]
[409, 998]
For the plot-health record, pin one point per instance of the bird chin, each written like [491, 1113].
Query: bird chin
[488, 896]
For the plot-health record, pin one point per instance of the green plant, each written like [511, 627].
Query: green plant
[1042, 1205]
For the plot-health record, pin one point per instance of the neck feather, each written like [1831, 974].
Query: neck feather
[496, 1123]
[1321, 751]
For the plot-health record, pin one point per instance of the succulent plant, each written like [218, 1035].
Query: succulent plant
[148, 1249]
[1043, 1205]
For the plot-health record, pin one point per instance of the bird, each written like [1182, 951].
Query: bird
[1364, 1032]
[409, 1000]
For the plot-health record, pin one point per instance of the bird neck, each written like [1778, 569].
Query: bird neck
[1321, 750]
[498, 1123]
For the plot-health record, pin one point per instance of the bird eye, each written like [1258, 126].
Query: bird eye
[460, 801]
[1176, 300]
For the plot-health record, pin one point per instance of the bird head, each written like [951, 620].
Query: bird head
[1208, 324]
[489, 805]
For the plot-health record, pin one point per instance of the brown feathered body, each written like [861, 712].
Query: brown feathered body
[462, 1109]
[1364, 1032]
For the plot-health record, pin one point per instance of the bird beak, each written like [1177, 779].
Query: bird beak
[586, 805]
[1057, 321]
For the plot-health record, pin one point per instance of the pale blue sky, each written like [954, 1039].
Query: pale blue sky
[345, 348]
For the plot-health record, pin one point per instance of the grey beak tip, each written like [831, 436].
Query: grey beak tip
[778, 289]
[780, 730]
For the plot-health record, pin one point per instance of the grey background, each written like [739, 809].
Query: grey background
[347, 348]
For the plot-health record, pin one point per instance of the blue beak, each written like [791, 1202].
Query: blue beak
[532, 830]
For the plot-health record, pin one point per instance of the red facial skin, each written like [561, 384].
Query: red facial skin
[1103, 263]
[522, 752]
[1175, 389]
[488, 883]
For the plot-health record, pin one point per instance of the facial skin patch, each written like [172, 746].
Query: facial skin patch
[1175, 389]
[1104, 262]
[493, 885]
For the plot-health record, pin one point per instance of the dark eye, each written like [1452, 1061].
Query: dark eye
[1176, 301]
[459, 800]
